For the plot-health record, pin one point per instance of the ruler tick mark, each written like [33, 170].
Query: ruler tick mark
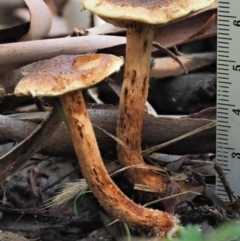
[227, 16]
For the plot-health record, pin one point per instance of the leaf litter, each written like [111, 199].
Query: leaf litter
[190, 192]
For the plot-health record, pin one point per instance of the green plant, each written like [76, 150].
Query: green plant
[75, 210]
[226, 232]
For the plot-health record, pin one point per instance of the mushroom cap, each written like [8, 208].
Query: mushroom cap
[156, 12]
[66, 73]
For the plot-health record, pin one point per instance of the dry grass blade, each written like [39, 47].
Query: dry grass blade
[170, 197]
[70, 190]
[113, 137]
[191, 133]
[142, 166]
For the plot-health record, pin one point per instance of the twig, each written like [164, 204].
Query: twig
[169, 197]
[191, 133]
[224, 181]
[13, 160]
[172, 55]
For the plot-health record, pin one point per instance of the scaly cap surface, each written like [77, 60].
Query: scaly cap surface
[145, 11]
[66, 73]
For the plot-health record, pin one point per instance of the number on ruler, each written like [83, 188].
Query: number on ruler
[236, 67]
[236, 154]
[236, 23]
[236, 111]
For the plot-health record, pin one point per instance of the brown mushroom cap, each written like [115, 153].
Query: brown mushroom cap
[66, 73]
[145, 11]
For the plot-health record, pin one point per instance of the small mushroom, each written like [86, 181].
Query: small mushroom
[65, 76]
[141, 19]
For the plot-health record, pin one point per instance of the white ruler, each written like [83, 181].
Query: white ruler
[228, 94]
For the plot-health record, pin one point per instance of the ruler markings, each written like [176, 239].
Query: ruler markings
[223, 160]
[222, 86]
[222, 156]
[226, 122]
[226, 25]
[227, 16]
[226, 104]
[225, 34]
[223, 113]
[223, 20]
[221, 42]
[223, 47]
[221, 190]
[225, 169]
[230, 148]
[225, 60]
[224, 126]
[223, 95]
[223, 135]
[223, 64]
[224, 82]
[223, 73]
[223, 51]
[225, 56]
[222, 139]
[228, 101]
[225, 38]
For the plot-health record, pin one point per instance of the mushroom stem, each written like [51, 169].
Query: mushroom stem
[133, 98]
[98, 180]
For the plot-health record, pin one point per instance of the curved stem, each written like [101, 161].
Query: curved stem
[100, 183]
[132, 104]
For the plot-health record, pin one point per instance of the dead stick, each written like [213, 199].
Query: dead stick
[16, 129]
[14, 159]
[224, 181]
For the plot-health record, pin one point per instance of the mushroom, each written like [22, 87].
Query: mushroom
[65, 76]
[140, 18]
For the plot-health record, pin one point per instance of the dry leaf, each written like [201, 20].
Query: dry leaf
[178, 33]
[35, 29]
[40, 20]
[211, 21]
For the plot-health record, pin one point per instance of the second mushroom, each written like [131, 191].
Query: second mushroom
[140, 18]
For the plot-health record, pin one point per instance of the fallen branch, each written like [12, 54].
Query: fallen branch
[16, 55]
[156, 130]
